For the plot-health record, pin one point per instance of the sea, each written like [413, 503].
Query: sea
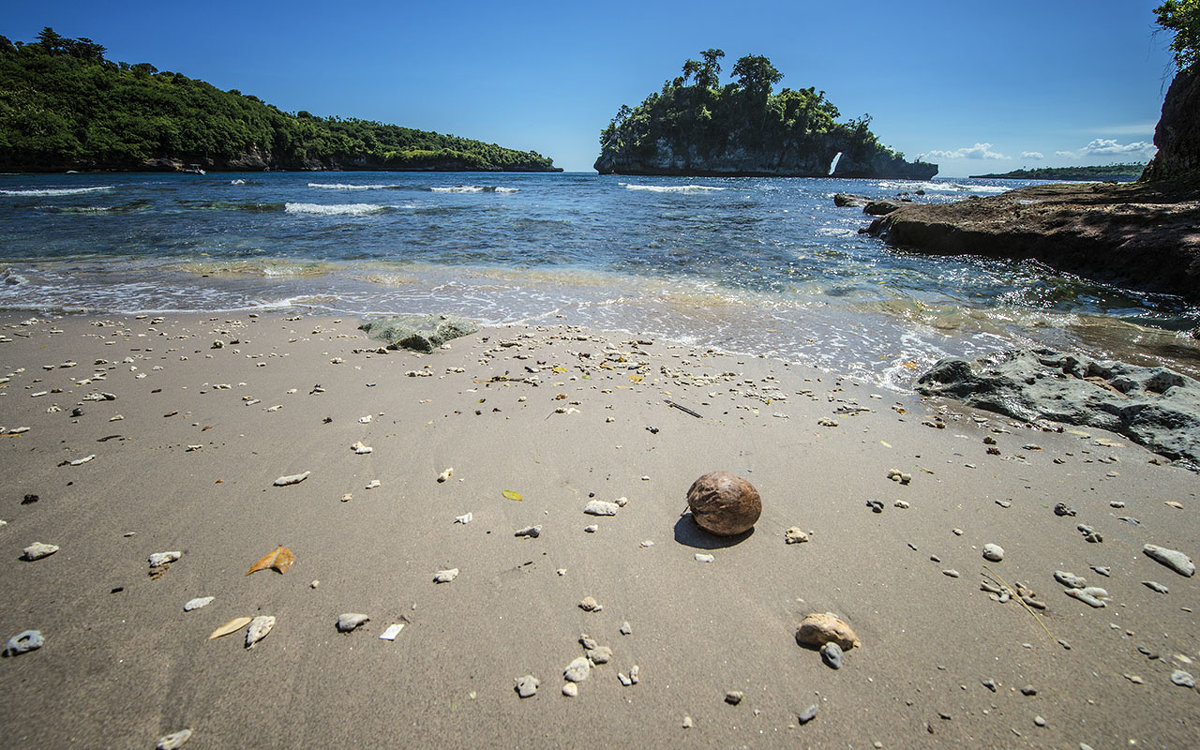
[757, 266]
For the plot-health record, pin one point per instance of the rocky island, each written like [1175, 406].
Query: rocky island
[696, 127]
[64, 106]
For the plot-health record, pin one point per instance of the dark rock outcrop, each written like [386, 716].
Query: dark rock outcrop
[1139, 235]
[1155, 407]
[881, 207]
[849, 200]
[422, 333]
[1178, 132]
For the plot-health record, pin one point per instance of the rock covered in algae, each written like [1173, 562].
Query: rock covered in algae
[724, 504]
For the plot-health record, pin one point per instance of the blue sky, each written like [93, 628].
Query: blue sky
[976, 87]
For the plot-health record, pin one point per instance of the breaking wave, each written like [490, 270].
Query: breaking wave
[340, 209]
[53, 192]
[344, 186]
[475, 189]
[675, 188]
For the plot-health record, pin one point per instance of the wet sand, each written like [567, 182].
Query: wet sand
[560, 416]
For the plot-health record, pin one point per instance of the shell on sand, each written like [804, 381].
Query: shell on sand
[259, 627]
[724, 504]
[817, 629]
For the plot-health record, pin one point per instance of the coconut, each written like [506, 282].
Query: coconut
[724, 504]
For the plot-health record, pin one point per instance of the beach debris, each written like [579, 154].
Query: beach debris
[278, 559]
[817, 629]
[284, 481]
[827, 422]
[445, 576]
[794, 535]
[512, 495]
[589, 604]
[724, 504]
[876, 506]
[734, 697]
[578, 670]
[365, 419]
[527, 686]
[591, 528]
[1070, 580]
[687, 722]
[899, 476]
[348, 621]
[445, 475]
[683, 409]
[197, 603]
[163, 559]
[28, 640]
[625, 628]
[373, 484]
[831, 654]
[360, 448]
[601, 508]
[391, 632]
[29, 499]
[1089, 534]
[1156, 586]
[464, 519]
[173, 741]
[808, 714]
[570, 689]
[347, 497]
[259, 628]
[1183, 679]
[1173, 559]
[79, 461]
[38, 550]
[993, 552]
[232, 626]
[533, 532]
[1093, 596]
[1062, 509]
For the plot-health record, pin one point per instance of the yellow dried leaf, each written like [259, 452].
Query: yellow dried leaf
[1174, 504]
[512, 495]
[232, 626]
[279, 559]
[635, 378]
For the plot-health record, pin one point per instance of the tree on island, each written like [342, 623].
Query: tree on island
[1183, 18]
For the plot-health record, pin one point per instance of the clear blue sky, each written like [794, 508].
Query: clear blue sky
[974, 86]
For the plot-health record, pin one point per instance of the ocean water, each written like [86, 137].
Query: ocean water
[759, 266]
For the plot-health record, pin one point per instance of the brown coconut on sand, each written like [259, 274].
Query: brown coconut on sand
[724, 504]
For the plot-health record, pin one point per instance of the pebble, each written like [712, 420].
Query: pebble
[1070, 580]
[174, 740]
[29, 640]
[373, 484]
[808, 714]
[38, 550]
[198, 602]
[533, 532]
[625, 628]
[1156, 586]
[591, 528]
[993, 552]
[702, 557]
[1093, 596]
[527, 686]
[445, 475]
[734, 697]
[1090, 534]
[990, 685]
[1062, 509]
[601, 508]
[445, 576]
[348, 621]
[875, 505]
[1029, 690]
[464, 519]
[635, 673]
[589, 604]
[359, 448]
[578, 670]
[957, 532]
[570, 690]
[1173, 559]
[284, 481]
[687, 722]
[600, 655]
[950, 572]
[159, 559]
[1102, 570]
[624, 679]
[1038, 720]
[902, 504]
[1183, 679]
[831, 654]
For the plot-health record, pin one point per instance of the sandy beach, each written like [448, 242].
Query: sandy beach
[187, 421]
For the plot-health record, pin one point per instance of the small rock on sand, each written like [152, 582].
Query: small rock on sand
[174, 740]
[29, 640]
[601, 508]
[527, 686]
[348, 621]
[734, 697]
[795, 535]
[993, 552]
[578, 670]
[445, 576]
[817, 629]
[1173, 559]
[38, 550]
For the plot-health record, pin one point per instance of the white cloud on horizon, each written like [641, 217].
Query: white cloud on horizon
[1032, 155]
[1110, 147]
[978, 151]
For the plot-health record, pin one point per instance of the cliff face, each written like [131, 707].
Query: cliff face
[1178, 133]
[787, 160]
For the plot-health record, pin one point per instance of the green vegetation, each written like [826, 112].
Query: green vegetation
[1118, 172]
[64, 106]
[1183, 18]
[696, 126]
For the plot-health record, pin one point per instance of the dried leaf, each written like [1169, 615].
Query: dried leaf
[232, 626]
[512, 495]
[280, 559]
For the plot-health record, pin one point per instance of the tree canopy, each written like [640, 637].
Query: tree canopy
[1183, 18]
[64, 106]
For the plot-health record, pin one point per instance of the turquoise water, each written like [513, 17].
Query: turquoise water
[761, 266]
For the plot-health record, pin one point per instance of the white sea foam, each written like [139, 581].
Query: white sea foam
[237, 182]
[942, 187]
[475, 189]
[344, 186]
[341, 209]
[52, 192]
[675, 188]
